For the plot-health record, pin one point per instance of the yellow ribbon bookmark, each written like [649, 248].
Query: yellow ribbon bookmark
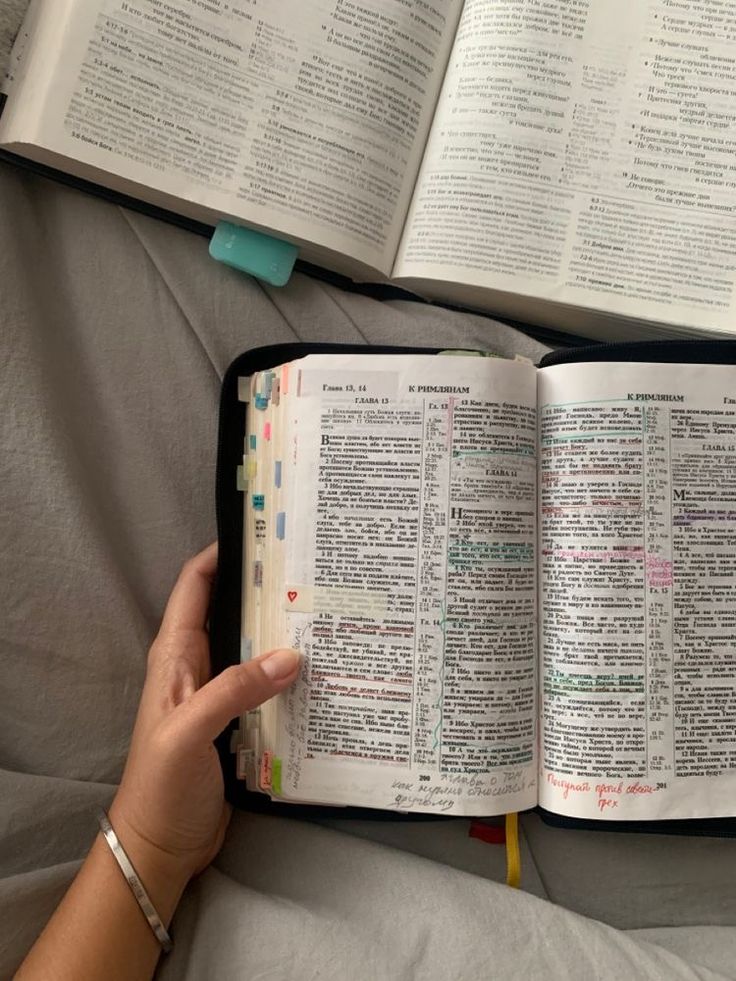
[513, 857]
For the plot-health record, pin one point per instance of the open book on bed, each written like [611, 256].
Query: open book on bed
[568, 164]
[511, 586]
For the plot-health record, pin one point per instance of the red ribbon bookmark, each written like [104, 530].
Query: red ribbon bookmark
[492, 834]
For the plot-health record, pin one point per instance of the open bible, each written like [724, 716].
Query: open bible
[511, 586]
[568, 164]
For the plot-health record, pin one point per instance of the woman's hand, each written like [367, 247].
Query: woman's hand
[170, 813]
[171, 799]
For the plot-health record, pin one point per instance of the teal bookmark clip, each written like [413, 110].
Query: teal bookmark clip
[263, 256]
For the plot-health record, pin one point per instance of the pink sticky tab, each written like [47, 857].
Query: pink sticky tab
[267, 430]
[265, 775]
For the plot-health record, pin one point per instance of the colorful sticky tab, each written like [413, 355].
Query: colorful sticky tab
[263, 256]
[299, 599]
[244, 389]
[265, 775]
[268, 384]
[462, 353]
[240, 479]
[277, 473]
[267, 431]
[281, 525]
[251, 468]
[253, 441]
[285, 379]
[259, 502]
[261, 401]
[276, 393]
[276, 776]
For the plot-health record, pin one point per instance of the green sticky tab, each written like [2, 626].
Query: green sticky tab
[458, 353]
[263, 256]
[276, 776]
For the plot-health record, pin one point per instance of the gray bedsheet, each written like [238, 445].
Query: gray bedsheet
[115, 333]
[11, 16]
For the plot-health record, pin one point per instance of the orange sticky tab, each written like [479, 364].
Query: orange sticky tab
[266, 769]
[285, 379]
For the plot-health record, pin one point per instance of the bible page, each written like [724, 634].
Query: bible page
[582, 152]
[410, 584]
[638, 590]
[308, 117]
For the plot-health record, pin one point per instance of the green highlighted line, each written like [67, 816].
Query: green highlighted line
[519, 451]
[613, 432]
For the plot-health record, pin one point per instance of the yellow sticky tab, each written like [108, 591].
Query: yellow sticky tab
[276, 776]
[240, 479]
[244, 759]
[513, 858]
[461, 353]
[251, 468]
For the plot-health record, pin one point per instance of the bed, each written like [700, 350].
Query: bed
[116, 330]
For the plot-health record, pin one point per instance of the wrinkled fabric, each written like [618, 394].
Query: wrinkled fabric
[115, 332]
[11, 15]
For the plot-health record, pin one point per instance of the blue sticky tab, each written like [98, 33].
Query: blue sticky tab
[277, 473]
[261, 255]
[252, 441]
[259, 502]
[261, 401]
[281, 525]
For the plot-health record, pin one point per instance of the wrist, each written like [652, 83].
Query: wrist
[163, 874]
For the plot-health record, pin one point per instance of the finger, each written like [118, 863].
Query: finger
[238, 689]
[190, 597]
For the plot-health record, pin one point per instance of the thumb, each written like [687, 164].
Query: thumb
[239, 688]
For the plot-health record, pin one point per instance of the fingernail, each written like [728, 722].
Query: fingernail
[280, 664]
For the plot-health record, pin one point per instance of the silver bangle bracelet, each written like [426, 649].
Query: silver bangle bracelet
[126, 867]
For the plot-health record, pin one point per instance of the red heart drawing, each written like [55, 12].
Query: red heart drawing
[292, 594]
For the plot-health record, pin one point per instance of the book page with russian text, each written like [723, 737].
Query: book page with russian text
[637, 499]
[307, 117]
[410, 584]
[583, 152]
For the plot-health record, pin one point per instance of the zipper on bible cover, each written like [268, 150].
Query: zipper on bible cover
[228, 503]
